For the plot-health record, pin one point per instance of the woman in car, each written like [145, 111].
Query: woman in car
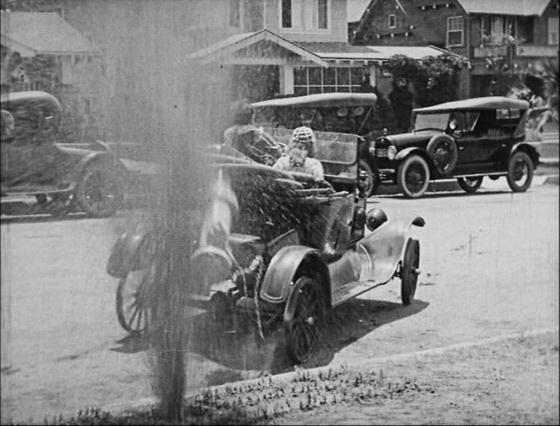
[300, 155]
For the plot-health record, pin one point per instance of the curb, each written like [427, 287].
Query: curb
[368, 364]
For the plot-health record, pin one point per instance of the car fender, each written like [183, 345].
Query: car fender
[280, 275]
[529, 149]
[103, 157]
[384, 249]
[124, 251]
[401, 155]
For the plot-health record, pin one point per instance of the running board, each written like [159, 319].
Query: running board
[351, 290]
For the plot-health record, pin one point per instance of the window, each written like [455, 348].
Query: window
[253, 16]
[323, 14]
[305, 14]
[553, 31]
[246, 14]
[525, 28]
[234, 13]
[392, 21]
[324, 80]
[286, 13]
[455, 31]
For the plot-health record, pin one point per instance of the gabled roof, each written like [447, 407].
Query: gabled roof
[321, 53]
[32, 33]
[505, 7]
[240, 41]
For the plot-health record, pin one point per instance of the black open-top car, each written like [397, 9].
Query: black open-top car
[61, 177]
[287, 248]
[466, 140]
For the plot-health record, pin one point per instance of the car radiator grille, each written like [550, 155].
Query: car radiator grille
[381, 152]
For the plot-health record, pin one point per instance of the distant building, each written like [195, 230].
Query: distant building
[472, 28]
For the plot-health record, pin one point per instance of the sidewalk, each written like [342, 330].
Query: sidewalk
[509, 379]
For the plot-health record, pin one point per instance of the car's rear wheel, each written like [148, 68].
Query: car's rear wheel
[520, 172]
[303, 317]
[470, 184]
[413, 176]
[132, 298]
[409, 271]
[100, 191]
[369, 180]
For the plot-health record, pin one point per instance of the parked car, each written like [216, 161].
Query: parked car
[296, 248]
[466, 140]
[61, 177]
[327, 112]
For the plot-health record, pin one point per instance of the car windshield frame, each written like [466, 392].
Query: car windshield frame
[441, 121]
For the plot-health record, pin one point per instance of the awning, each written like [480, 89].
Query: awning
[241, 47]
[345, 51]
[33, 33]
[505, 7]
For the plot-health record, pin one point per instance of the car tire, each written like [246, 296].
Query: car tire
[520, 172]
[470, 185]
[413, 176]
[303, 316]
[132, 299]
[409, 271]
[442, 149]
[100, 190]
[372, 178]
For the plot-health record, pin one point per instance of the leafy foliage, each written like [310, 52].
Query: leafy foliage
[435, 79]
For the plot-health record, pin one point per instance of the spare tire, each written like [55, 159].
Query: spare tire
[442, 149]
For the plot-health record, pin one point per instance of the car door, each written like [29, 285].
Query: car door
[474, 144]
[31, 153]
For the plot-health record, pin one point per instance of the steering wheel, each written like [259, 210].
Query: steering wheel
[324, 184]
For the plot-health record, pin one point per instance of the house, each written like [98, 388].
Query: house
[41, 51]
[161, 57]
[519, 32]
[298, 47]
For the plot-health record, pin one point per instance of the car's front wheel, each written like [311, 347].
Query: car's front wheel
[413, 176]
[99, 191]
[520, 172]
[303, 318]
[470, 185]
[409, 271]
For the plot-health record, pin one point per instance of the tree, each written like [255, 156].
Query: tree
[435, 78]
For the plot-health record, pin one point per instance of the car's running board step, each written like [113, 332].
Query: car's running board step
[352, 289]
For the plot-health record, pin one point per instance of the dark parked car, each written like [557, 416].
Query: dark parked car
[294, 249]
[327, 112]
[466, 140]
[60, 177]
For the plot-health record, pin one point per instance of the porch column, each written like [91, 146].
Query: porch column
[286, 79]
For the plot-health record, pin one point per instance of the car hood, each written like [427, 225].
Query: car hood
[404, 139]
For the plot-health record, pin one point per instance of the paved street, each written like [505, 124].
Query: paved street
[489, 266]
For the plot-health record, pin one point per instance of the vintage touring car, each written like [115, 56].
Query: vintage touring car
[466, 140]
[61, 177]
[291, 248]
[328, 112]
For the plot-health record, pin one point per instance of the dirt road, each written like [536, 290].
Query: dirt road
[489, 268]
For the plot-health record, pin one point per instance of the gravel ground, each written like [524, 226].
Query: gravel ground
[514, 381]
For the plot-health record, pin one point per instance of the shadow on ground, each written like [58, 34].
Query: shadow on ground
[243, 349]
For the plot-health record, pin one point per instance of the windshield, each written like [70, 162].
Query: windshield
[330, 147]
[437, 121]
[356, 120]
